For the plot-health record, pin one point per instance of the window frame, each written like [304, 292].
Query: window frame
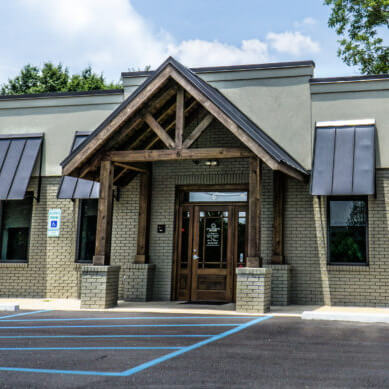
[78, 236]
[348, 198]
[29, 195]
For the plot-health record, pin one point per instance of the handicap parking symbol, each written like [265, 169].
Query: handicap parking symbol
[54, 223]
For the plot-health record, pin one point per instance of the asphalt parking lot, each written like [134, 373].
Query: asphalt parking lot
[47, 349]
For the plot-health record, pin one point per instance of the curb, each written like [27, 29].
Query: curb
[346, 316]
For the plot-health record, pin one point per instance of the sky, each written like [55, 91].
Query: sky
[120, 35]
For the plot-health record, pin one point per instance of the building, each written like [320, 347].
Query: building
[212, 182]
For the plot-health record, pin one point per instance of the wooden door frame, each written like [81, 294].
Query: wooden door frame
[179, 202]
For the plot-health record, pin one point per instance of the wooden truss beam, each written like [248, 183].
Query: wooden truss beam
[180, 117]
[170, 155]
[157, 128]
[197, 131]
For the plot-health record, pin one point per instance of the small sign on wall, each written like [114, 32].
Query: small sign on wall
[54, 222]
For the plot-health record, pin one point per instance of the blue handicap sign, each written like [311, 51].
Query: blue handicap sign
[54, 223]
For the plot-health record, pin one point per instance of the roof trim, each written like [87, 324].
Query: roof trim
[46, 95]
[331, 80]
[13, 136]
[347, 123]
[232, 68]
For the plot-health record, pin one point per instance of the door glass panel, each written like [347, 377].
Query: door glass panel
[242, 239]
[213, 232]
[196, 197]
[185, 239]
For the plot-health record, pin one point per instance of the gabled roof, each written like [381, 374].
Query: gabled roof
[275, 156]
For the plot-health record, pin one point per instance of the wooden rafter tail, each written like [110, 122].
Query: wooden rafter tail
[180, 117]
[157, 128]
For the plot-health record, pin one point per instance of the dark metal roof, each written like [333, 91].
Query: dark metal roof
[349, 78]
[18, 155]
[208, 69]
[344, 161]
[78, 188]
[276, 152]
[63, 94]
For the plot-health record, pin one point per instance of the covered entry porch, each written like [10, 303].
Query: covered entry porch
[176, 130]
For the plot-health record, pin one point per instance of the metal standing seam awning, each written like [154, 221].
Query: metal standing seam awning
[344, 158]
[18, 156]
[78, 188]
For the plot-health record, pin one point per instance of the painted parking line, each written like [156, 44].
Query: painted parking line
[154, 362]
[105, 336]
[125, 326]
[130, 318]
[25, 313]
[89, 348]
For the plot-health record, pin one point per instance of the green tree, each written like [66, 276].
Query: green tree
[361, 25]
[54, 78]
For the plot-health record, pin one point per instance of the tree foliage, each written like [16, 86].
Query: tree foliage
[54, 78]
[361, 24]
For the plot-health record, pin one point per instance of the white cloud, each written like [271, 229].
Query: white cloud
[293, 43]
[111, 36]
[308, 21]
[200, 52]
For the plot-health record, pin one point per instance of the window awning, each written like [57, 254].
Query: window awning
[344, 158]
[18, 155]
[78, 188]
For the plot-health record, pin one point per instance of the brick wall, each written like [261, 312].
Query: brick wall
[315, 282]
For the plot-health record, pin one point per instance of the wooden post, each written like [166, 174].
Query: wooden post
[278, 218]
[254, 221]
[104, 215]
[143, 218]
[179, 117]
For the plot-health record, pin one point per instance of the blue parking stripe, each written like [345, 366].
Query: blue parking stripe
[105, 336]
[86, 348]
[125, 325]
[24, 313]
[149, 364]
[131, 318]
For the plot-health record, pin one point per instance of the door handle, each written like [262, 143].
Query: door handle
[195, 256]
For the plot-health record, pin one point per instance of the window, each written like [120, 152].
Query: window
[86, 230]
[347, 232]
[15, 229]
[196, 197]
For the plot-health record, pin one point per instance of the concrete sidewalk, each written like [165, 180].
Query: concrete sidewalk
[306, 312]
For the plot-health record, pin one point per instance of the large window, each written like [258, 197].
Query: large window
[347, 232]
[87, 230]
[15, 229]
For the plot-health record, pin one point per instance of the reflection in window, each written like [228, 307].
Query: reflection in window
[347, 233]
[87, 230]
[195, 197]
[15, 229]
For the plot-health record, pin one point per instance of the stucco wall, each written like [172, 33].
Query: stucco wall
[58, 118]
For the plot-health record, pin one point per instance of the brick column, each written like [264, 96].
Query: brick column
[253, 289]
[281, 281]
[138, 284]
[99, 286]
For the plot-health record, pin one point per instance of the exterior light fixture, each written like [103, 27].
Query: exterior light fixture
[211, 162]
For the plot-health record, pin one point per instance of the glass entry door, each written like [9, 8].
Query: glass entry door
[212, 253]
[211, 243]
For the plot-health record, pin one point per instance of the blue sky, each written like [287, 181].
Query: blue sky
[117, 35]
